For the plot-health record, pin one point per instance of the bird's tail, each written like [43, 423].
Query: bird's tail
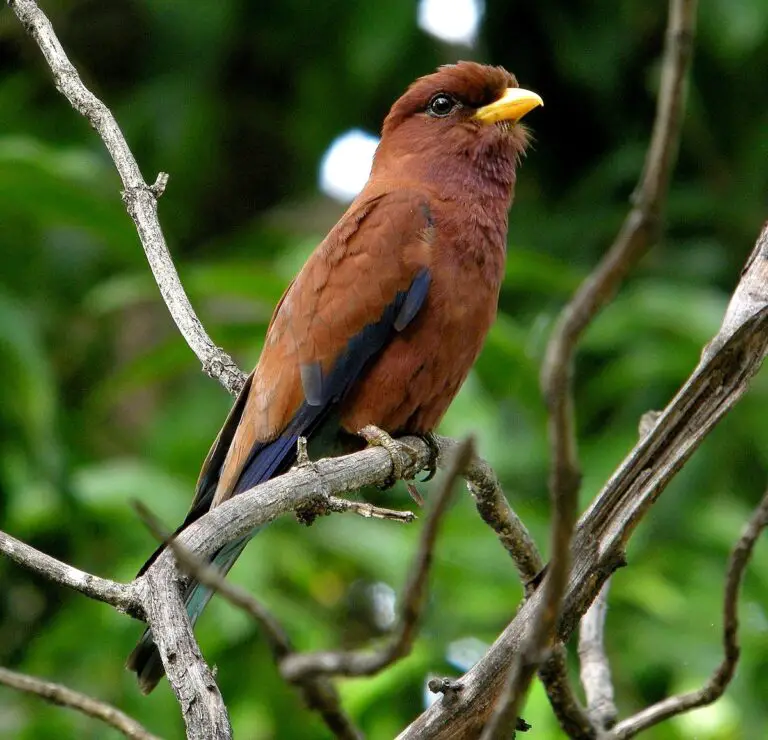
[145, 658]
[264, 461]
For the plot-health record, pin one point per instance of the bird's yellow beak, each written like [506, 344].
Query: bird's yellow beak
[511, 106]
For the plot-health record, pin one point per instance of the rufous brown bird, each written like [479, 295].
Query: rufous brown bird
[389, 313]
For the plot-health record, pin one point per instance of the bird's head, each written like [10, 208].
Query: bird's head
[458, 130]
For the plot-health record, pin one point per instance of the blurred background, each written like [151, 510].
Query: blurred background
[265, 115]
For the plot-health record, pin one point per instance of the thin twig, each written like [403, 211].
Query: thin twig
[640, 230]
[319, 693]
[367, 662]
[140, 198]
[714, 688]
[56, 693]
[569, 711]
[495, 511]
[641, 226]
[369, 511]
[120, 595]
[595, 669]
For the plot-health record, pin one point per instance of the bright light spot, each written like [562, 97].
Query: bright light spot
[454, 21]
[383, 598]
[465, 652]
[346, 165]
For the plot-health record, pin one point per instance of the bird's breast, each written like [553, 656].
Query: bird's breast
[410, 385]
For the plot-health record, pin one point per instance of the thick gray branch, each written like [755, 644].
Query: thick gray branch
[301, 487]
[205, 714]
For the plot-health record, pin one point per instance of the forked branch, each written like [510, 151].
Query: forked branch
[638, 233]
[140, 198]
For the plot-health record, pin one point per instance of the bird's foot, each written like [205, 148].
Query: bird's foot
[430, 440]
[397, 451]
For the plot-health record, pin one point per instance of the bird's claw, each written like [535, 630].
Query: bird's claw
[379, 438]
[430, 440]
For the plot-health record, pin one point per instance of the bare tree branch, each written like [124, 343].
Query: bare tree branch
[716, 385]
[56, 693]
[192, 681]
[714, 688]
[639, 230]
[120, 595]
[156, 595]
[367, 662]
[140, 199]
[318, 692]
[638, 233]
[203, 709]
[595, 668]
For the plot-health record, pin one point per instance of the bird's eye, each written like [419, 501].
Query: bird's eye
[441, 105]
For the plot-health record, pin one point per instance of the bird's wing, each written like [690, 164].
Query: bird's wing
[364, 283]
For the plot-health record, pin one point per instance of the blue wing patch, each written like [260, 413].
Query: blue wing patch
[414, 300]
[312, 382]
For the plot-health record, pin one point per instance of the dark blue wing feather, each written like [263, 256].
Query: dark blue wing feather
[271, 458]
[414, 300]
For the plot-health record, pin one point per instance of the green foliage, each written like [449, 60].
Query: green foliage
[102, 402]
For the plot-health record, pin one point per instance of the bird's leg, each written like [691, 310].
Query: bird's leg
[379, 438]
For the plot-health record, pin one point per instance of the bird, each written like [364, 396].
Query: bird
[381, 326]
